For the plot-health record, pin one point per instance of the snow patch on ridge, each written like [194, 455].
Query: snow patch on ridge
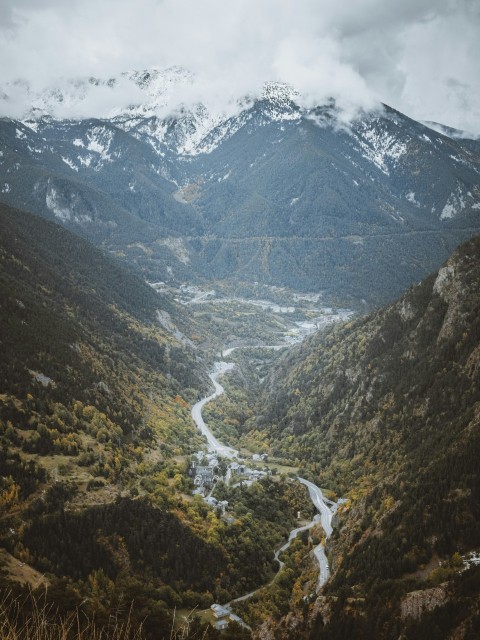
[454, 205]
[378, 145]
[99, 141]
[70, 163]
[281, 99]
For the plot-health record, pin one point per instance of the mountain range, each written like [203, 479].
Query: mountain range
[99, 370]
[276, 193]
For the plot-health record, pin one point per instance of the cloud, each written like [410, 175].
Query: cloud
[419, 56]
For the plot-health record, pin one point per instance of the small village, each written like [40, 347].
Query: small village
[206, 470]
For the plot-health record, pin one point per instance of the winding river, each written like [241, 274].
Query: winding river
[325, 513]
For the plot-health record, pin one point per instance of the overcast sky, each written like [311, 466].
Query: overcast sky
[420, 56]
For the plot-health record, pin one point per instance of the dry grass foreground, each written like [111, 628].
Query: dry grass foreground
[44, 624]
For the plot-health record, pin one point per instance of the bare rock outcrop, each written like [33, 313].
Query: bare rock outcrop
[415, 603]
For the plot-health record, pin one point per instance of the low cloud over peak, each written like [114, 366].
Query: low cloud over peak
[419, 56]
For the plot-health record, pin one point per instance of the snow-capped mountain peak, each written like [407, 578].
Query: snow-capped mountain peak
[144, 92]
[166, 96]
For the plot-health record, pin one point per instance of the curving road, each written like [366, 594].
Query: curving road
[214, 445]
[325, 514]
[293, 534]
[318, 499]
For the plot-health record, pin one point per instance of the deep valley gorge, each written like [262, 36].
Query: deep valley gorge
[239, 368]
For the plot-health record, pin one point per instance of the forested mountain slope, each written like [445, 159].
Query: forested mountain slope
[276, 193]
[97, 514]
[385, 411]
[93, 409]
[80, 319]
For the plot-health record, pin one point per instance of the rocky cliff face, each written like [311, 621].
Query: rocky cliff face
[416, 603]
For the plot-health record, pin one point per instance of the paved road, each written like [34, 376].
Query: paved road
[318, 500]
[293, 534]
[214, 445]
[326, 515]
[325, 512]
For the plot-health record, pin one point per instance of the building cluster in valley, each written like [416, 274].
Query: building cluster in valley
[208, 468]
[222, 616]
